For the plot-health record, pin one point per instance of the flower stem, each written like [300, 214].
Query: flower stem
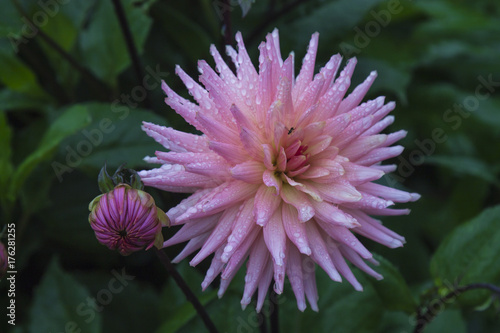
[274, 309]
[129, 41]
[190, 296]
[427, 314]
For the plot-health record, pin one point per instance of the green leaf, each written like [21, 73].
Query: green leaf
[106, 54]
[447, 321]
[14, 100]
[178, 311]
[470, 254]
[14, 74]
[333, 19]
[114, 137]
[465, 165]
[59, 304]
[72, 120]
[392, 289]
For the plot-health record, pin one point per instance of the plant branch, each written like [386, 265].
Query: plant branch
[190, 296]
[427, 314]
[131, 48]
[93, 81]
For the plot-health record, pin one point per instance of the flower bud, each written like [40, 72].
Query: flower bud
[3, 260]
[127, 220]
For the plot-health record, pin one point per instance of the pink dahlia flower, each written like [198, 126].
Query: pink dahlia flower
[283, 173]
[127, 220]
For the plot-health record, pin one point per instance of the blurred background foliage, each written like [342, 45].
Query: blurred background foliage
[72, 98]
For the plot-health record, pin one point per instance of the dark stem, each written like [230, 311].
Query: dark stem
[274, 312]
[129, 41]
[227, 23]
[190, 296]
[427, 314]
[270, 18]
[93, 81]
[261, 319]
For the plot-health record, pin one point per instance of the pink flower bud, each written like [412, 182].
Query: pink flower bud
[127, 220]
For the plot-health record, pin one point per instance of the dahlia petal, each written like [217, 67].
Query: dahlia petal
[362, 145]
[197, 91]
[331, 214]
[266, 203]
[252, 143]
[295, 230]
[242, 227]
[182, 106]
[357, 261]
[216, 130]
[232, 153]
[307, 70]
[189, 157]
[272, 180]
[275, 238]
[311, 94]
[366, 109]
[256, 267]
[249, 171]
[175, 140]
[344, 236]
[216, 267]
[339, 262]
[281, 161]
[310, 286]
[219, 93]
[174, 176]
[264, 283]
[192, 229]
[246, 70]
[389, 193]
[174, 212]
[319, 252]
[339, 192]
[369, 201]
[220, 198]
[358, 174]
[239, 256]
[395, 137]
[284, 95]
[299, 200]
[218, 236]
[194, 244]
[319, 144]
[221, 66]
[379, 154]
[294, 272]
[329, 71]
[296, 162]
[217, 169]
[352, 132]
[358, 94]
[331, 100]
[380, 126]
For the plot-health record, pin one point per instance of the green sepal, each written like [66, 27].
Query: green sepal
[105, 181]
[158, 241]
[94, 202]
[163, 218]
